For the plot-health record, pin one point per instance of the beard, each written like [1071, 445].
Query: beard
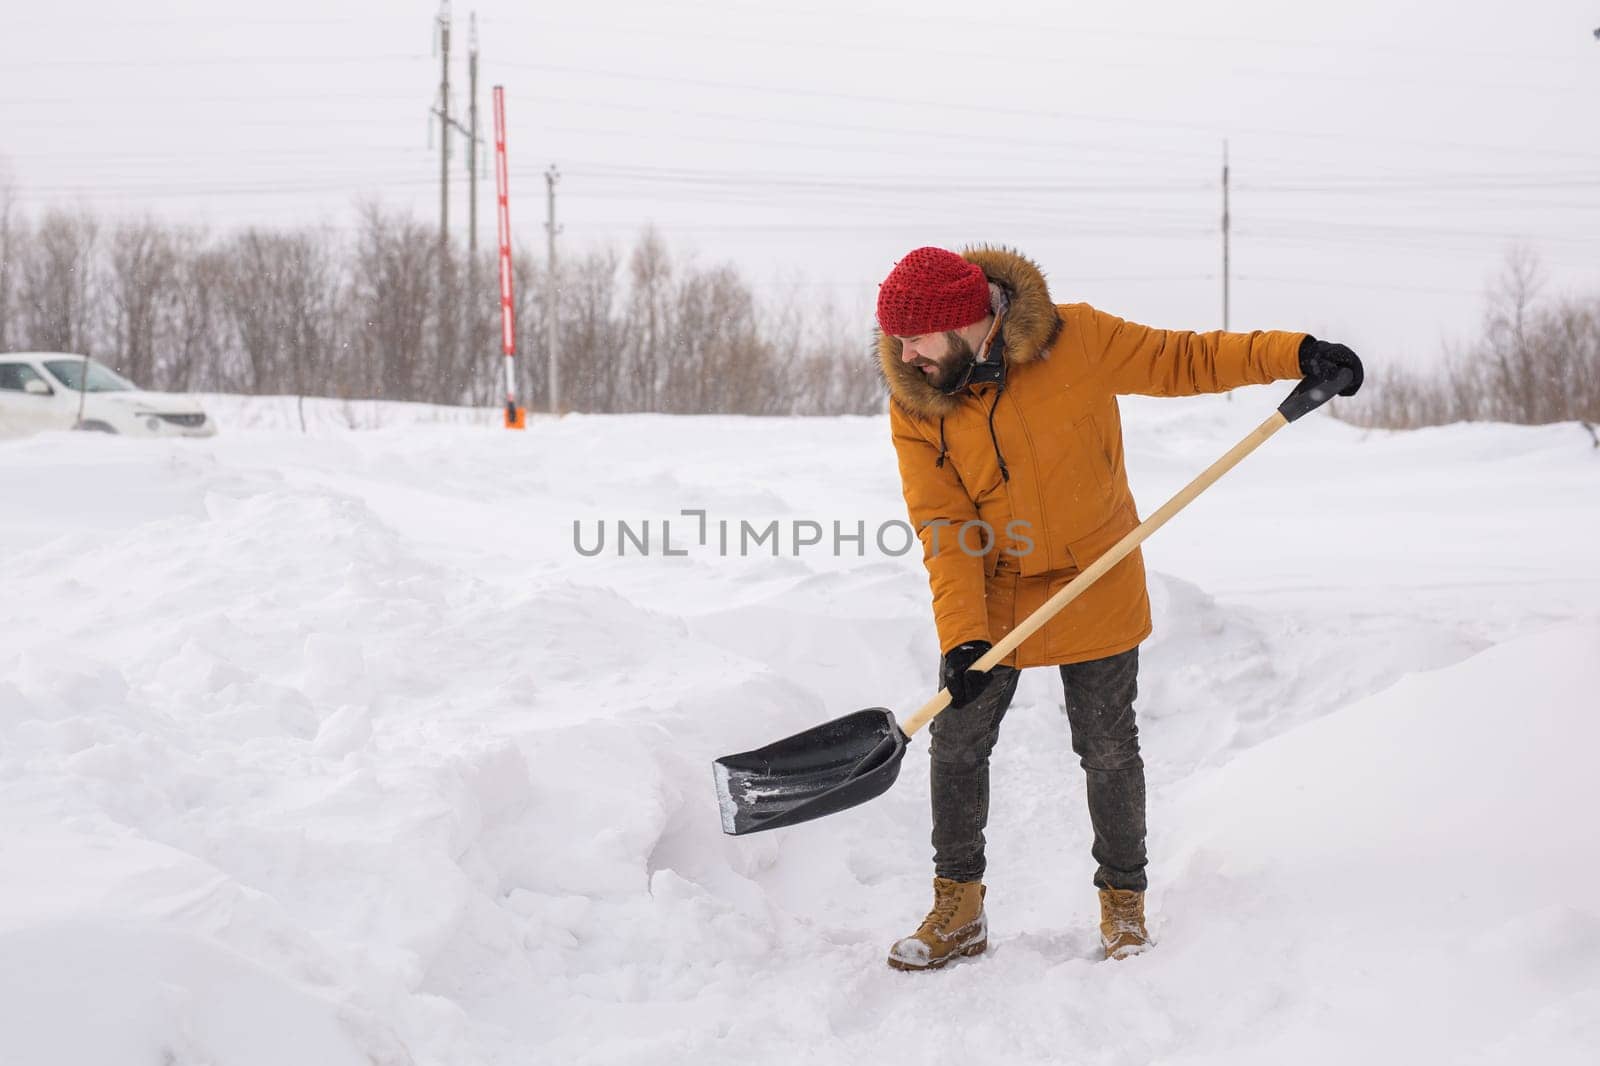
[952, 370]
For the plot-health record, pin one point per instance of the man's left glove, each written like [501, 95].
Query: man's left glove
[1322, 361]
[957, 675]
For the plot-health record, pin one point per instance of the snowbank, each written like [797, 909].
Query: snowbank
[322, 415]
[332, 747]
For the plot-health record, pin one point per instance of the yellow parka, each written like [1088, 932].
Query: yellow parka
[1016, 485]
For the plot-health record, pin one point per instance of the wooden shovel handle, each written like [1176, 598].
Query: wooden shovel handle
[1112, 557]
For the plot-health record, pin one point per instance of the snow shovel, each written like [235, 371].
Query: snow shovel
[850, 760]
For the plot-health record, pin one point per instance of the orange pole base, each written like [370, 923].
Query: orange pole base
[516, 417]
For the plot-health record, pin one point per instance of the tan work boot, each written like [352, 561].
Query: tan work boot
[955, 927]
[1122, 931]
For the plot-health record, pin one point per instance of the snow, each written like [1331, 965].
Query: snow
[725, 802]
[330, 748]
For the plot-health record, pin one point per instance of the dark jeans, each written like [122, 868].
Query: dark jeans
[1100, 695]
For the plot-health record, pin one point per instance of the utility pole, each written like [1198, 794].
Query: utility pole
[1226, 278]
[471, 301]
[447, 124]
[442, 109]
[446, 339]
[552, 298]
[472, 142]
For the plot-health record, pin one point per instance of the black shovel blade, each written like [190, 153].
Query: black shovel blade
[825, 769]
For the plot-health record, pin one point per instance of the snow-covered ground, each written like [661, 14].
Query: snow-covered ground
[332, 748]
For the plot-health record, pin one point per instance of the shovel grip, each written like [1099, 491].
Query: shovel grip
[1312, 393]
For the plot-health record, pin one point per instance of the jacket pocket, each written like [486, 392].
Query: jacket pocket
[1086, 549]
[1093, 450]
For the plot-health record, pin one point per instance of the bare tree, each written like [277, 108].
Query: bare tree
[257, 320]
[829, 365]
[1509, 347]
[648, 330]
[481, 380]
[588, 333]
[56, 284]
[311, 298]
[1576, 332]
[529, 310]
[142, 266]
[393, 289]
[1537, 361]
[282, 296]
[11, 242]
[719, 361]
[198, 334]
[304, 312]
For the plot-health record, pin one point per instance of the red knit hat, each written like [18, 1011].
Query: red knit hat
[930, 291]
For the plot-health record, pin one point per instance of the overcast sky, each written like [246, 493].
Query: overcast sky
[1384, 155]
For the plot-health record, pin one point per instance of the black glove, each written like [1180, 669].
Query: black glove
[957, 675]
[1322, 361]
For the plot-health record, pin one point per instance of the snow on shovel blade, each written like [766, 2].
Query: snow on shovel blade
[823, 770]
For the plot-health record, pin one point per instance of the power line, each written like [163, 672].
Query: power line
[1399, 183]
[180, 126]
[1394, 286]
[215, 61]
[230, 21]
[1273, 227]
[1136, 34]
[1093, 61]
[1141, 34]
[877, 130]
[790, 180]
[651, 182]
[1429, 186]
[285, 155]
[213, 98]
[758, 191]
[1120, 121]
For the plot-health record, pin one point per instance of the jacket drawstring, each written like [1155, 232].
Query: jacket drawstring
[992, 342]
[1005, 475]
[944, 448]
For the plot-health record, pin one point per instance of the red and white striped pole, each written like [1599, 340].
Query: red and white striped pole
[516, 417]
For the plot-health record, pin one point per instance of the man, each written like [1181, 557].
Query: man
[1004, 415]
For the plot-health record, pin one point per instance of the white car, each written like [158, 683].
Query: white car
[43, 390]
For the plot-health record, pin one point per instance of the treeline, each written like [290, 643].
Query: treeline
[1536, 361]
[384, 313]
